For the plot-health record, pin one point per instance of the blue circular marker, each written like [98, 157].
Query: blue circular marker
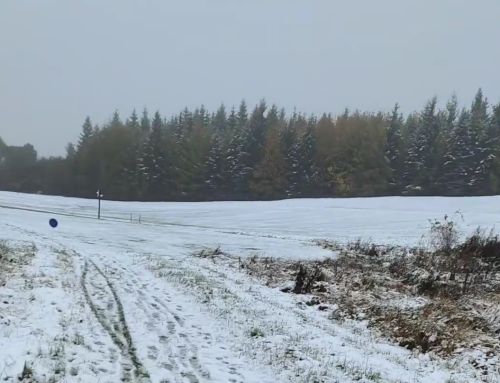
[53, 222]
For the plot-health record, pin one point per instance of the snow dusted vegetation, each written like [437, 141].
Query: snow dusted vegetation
[161, 292]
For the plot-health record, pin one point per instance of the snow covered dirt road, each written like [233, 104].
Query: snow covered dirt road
[115, 300]
[93, 316]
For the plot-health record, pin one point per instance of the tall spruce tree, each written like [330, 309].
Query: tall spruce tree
[133, 121]
[421, 159]
[215, 178]
[290, 149]
[86, 134]
[308, 170]
[483, 144]
[239, 167]
[458, 167]
[154, 163]
[394, 149]
[145, 123]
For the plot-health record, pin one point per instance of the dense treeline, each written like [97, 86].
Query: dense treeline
[266, 154]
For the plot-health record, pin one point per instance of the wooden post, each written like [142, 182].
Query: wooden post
[99, 197]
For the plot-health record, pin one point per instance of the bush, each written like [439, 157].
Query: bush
[483, 246]
[466, 263]
[363, 247]
[306, 279]
[444, 235]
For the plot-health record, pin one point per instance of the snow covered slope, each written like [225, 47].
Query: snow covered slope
[118, 299]
[384, 220]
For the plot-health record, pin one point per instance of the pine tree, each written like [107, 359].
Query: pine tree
[421, 157]
[187, 120]
[451, 114]
[131, 183]
[483, 144]
[413, 156]
[199, 146]
[87, 133]
[308, 170]
[154, 167]
[257, 126]
[204, 117]
[494, 130]
[215, 179]
[458, 167]
[479, 119]
[237, 159]
[70, 151]
[145, 122]
[133, 121]
[494, 136]
[239, 168]
[231, 125]
[115, 121]
[394, 149]
[291, 152]
[219, 121]
[242, 116]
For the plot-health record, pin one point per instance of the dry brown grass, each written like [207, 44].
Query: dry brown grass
[402, 293]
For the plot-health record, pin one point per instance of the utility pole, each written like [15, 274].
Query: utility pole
[99, 197]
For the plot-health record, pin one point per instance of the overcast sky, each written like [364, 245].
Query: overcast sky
[62, 60]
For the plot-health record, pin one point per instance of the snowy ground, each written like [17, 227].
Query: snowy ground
[116, 299]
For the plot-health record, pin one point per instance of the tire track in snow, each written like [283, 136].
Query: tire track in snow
[176, 351]
[171, 347]
[111, 317]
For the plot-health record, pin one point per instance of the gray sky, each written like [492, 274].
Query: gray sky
[62, 60]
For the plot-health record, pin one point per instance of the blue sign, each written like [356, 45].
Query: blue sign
[53, 222]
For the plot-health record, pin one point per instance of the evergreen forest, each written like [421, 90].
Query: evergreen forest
[264, 152]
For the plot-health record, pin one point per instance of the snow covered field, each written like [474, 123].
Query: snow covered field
[122, 299]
